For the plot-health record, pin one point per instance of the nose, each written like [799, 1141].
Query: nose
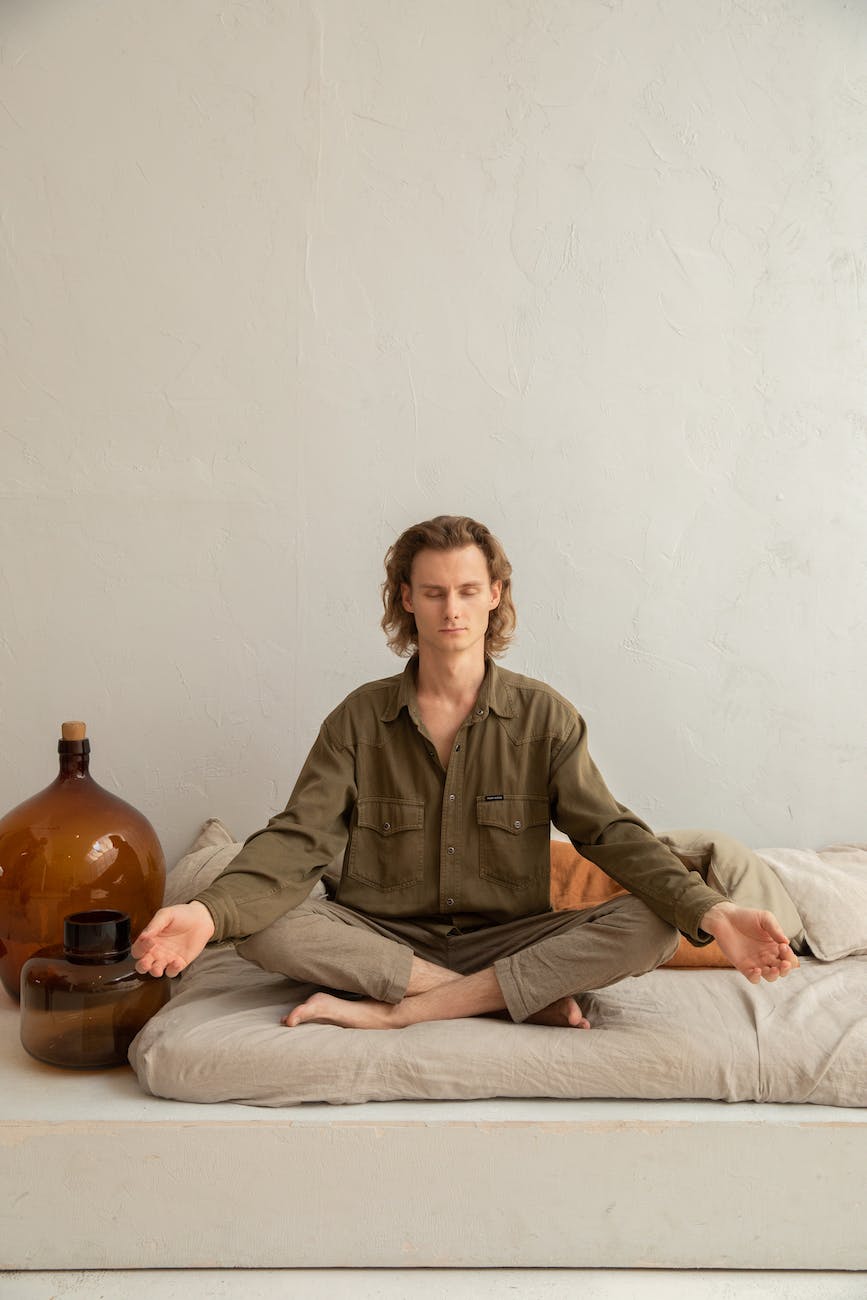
[452, 607]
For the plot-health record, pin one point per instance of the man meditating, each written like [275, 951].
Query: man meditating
[439, 786]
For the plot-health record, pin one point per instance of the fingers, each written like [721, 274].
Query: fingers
[148, 964]
[156, 964]
[160, 921]
[166, 945]
[780, 964]
[144, 950]
[769, 968]
[155, 956]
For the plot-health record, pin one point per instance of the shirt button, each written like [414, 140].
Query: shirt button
[386, 826]
[479, 712]
[517, 825]
[457, 747]
[450, 849]
[451, 798]
[450, 902]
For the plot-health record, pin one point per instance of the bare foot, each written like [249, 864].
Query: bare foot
[564, 1012]
[323, 1009]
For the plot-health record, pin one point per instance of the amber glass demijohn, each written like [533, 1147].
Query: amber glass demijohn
[83, 1002]
[73, 847]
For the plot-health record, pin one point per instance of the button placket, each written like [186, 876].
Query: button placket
[451, 833]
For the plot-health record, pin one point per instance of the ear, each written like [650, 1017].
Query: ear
[496, 593]
[405, 597]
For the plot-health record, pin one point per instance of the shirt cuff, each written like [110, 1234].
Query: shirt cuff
[223, 912]
[697, 899]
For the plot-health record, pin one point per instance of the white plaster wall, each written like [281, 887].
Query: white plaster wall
[279, 279]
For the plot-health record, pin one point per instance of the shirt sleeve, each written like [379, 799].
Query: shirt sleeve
[279, 865]
[619, 842]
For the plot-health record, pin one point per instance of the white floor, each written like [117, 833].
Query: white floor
[430, 1284]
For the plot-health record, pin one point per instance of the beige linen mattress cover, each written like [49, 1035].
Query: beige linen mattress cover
[672, 1034]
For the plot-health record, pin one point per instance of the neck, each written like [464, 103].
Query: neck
[73, 766]
[455, 680]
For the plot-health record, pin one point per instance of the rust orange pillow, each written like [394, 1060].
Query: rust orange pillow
[576, 882]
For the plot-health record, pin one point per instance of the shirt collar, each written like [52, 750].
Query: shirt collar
[494, 695]
[403, 693]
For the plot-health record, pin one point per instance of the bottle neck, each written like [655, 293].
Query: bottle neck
[96, 938]
[74, 759]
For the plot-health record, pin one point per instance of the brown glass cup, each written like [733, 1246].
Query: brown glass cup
[83, 1003]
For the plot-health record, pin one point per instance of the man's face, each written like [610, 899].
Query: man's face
[451, 595]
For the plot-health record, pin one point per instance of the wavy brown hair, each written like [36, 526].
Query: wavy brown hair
[445, 533]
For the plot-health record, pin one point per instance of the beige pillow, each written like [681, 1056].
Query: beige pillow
[741, 875]
[210, 853]
[830, 888]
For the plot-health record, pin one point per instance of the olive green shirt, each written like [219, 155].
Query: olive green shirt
[467, 845]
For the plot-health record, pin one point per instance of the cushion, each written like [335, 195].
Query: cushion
[577, 882]
[669, 1034]
[727, 865]
[741, 875]
[830, 889]
[209, 854]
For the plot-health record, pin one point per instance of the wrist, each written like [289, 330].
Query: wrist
[714, 915]
[204, 918]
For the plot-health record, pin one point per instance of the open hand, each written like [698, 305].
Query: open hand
[752, 940]
[172, 939]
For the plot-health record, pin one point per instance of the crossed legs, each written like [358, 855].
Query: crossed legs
[408, 972]
[534, 967]
[432, 993]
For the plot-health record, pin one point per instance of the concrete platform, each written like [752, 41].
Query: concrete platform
[432, 1284]
[96, 1175]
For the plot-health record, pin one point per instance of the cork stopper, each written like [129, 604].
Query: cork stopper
[73, 730]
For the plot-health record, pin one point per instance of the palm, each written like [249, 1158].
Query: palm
[755, 945]
[173, 939]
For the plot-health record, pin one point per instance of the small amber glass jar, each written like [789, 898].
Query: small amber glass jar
[83, 1003]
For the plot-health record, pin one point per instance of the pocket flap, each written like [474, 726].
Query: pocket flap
[388, 816]
[513, 814]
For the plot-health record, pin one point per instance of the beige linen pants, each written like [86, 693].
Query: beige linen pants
[536, 959]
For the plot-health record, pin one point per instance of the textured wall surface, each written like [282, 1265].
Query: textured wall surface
[280, 278]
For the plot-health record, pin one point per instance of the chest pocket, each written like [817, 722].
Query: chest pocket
[514, 840]
[386, 847]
